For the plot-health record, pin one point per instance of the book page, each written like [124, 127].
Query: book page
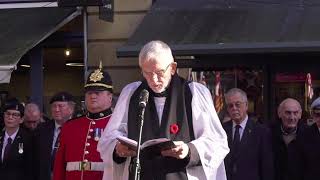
[153, 145]
[154, 141]
[132, 144]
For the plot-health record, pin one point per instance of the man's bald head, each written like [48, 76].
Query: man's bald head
[32, 116]
[289, 111]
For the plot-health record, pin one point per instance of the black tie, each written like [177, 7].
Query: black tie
[236, 139]
[7, 149]
[55, 147]
[234, 150]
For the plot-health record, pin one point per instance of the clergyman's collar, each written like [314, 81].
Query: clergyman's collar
[162, 94]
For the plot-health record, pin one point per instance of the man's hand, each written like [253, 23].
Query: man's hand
[180, 151]
[124, 151]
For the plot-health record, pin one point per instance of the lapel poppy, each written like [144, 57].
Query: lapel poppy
[174, 128]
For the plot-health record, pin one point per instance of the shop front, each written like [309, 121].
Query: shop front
[266, 48]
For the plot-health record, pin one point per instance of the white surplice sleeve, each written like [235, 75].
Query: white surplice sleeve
[210, 138]
[116, 126]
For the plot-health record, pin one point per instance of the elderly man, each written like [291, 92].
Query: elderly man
[178, 110]
[284, 132]
[32, 116]
[251, 156]
[304, 156]
[77, 157]
[16, 145]
[47, 134]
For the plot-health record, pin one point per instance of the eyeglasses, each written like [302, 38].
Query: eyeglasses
[236, 104]
[8, 114]
[159, 73]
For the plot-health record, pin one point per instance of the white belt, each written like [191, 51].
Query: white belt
[85, 166]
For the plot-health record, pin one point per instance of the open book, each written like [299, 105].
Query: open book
[151, 147]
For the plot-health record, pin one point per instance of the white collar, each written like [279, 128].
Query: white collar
[56, 125]
[13, 136]
[242, 124]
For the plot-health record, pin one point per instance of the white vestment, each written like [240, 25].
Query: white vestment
[210, 138]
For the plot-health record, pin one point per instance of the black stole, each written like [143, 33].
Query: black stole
[177, 110]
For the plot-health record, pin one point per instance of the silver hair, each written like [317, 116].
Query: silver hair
[287, 100]
[154, 50]
[72, 105]
[31, 107]
[234, 91]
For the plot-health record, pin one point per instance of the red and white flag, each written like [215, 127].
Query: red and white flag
[309, 89]
[218, 96]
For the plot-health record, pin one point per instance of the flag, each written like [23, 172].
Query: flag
[218, 94]
[309, 90]
[202, 78]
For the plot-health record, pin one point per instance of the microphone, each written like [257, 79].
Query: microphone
[143, 99]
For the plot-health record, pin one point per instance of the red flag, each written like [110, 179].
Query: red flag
[218, 95]
[309, 90]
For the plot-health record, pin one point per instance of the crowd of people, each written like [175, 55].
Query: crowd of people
[88, 147]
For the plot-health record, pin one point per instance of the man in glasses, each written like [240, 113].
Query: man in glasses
[47, 135]
[284, 131]
[304, 154]
[15, 145]
[250, 156]
[178, 110]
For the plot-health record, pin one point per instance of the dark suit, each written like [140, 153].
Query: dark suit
[304, 155]
[280, 150]
[19, 165]
[254, 159]
[44, 139]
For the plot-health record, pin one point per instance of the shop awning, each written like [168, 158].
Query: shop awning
[205, 27]
[24, 28]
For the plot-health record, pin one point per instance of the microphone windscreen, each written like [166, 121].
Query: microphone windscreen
[143, 99]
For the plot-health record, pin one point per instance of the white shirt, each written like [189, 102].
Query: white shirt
[5, 141]
[242, 126]
[160, 102]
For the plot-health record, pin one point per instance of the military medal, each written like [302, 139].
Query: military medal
[20, 148]
[97, 134]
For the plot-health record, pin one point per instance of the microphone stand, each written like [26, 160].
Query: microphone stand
[137, 166]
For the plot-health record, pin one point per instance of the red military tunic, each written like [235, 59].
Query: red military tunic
[77, 157]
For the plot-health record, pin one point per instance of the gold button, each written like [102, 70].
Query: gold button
[91, 130]
[93, 122]
[88, 137]
[87, 144]
[86, 152]
[86, 160]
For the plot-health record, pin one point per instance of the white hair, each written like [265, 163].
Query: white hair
[31, 107]
[234, 91]
[156, 51]
[287, 101]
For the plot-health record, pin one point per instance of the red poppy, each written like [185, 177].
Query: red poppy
[174, 128]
